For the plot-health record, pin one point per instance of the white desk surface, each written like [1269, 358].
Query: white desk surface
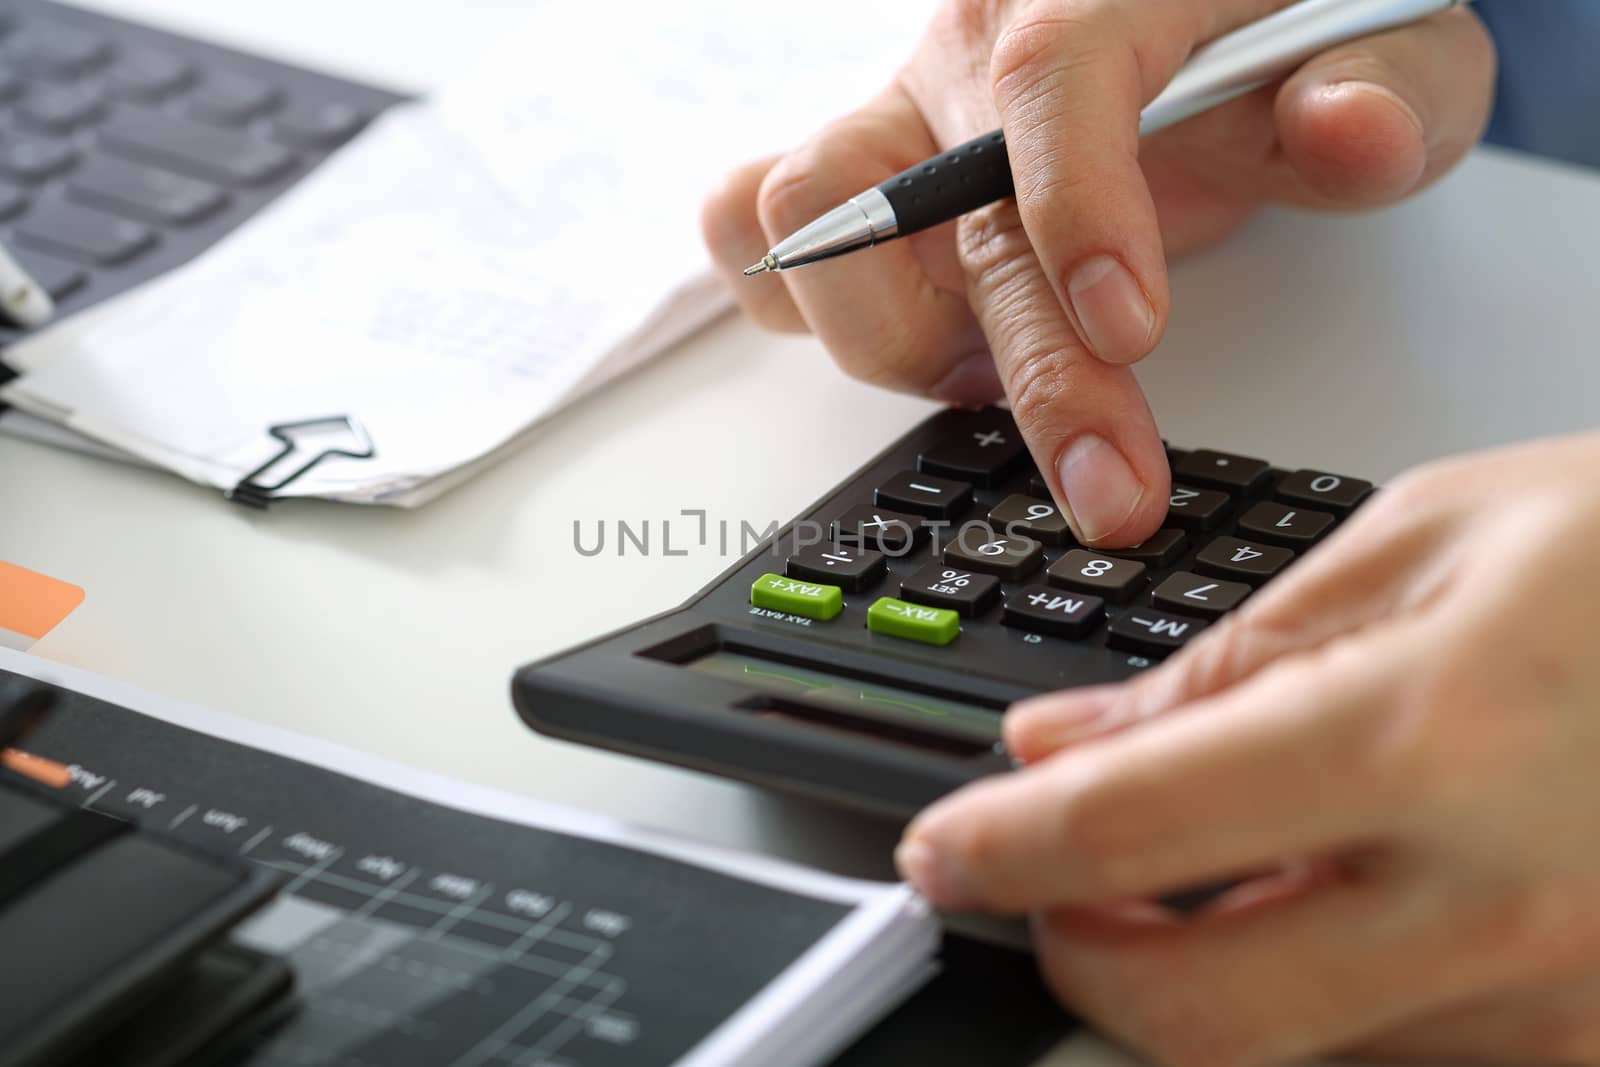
[1466, 318]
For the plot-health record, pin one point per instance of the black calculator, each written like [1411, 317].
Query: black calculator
[866, 652]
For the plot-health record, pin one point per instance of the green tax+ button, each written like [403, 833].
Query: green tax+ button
[933, 626]
[806, 599]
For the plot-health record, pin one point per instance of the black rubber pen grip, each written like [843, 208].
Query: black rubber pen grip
[950, 184]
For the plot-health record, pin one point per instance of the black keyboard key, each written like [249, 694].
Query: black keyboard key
[1197, 510]
[33, 161]
[1038, 487]
[83, 233]
[142, 192]
[1317, 489]
[321, 125]
[1159, 551]
[53, 51]
[59, 109]
[148, 75]
[868, 526]
[939, 585]
[58, 277]
[1031, 517]
[1044, 610]
[12, 201]
[1209, 597]
[193, 148]
[1220, 470]
[1007, 556]
[1242, 561]
[1151, 633]
[1090, 572]
[851, 569]
[231, 99]
[1292, 527]
[979, 447]
[925, 494]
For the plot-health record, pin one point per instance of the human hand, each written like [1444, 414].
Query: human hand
[1404, 729]
[1050, 297]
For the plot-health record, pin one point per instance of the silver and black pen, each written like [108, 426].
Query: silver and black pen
[977, 173]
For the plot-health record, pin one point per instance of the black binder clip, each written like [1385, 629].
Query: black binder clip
[299, 438]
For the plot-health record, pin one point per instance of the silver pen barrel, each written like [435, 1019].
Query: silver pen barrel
[1263, 51]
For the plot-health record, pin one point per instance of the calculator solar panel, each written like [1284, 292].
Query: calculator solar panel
[126, 151]
[865, 653]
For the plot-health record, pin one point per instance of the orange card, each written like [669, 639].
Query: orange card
[31, 605]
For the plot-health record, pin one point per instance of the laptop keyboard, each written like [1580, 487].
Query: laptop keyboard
[125, 151]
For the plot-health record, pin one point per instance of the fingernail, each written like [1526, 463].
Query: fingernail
[1100, 487]
[1114, 314]
[971, 383]
[931, 875]
[1394, 99]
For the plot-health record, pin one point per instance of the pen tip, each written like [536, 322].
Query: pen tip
[767, 263]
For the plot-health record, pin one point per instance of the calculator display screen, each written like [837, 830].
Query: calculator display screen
[868, 699]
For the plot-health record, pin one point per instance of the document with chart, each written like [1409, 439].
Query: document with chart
[436, 924]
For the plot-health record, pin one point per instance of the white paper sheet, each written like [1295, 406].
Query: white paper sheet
[472, 262]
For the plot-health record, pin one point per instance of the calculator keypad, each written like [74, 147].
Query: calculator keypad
[1031, 517]
[1100, 573]
[925, 494]
[982, 447]
[1207, 597]
[956, 542]
[940, 585]
[1050, 611]
[1286, 525]
[878, 528]
[1318, 489]
[1151, 633]
[1197, 510]
[1243, 561]
[1157, 552]
[1222, 470]
[984, 549]
[851, 569]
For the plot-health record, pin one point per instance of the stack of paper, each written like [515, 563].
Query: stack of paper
[673, 952]
[473, 261]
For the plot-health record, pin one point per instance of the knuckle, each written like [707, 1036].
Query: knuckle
[1032, 49]
[1549, 926]
[791, 192]
[1097, 825]
[992, 244]
[1222, 655]
[1571, 1036]
[968, 25]
[1041, 375]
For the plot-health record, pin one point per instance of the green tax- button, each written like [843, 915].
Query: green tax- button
[806, 599]
[934, 626]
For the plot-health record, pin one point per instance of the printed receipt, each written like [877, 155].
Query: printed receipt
[473, 261]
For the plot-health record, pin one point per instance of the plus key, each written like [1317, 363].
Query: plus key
[980, 447]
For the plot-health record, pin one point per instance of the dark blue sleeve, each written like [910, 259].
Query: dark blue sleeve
[1548, 101]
